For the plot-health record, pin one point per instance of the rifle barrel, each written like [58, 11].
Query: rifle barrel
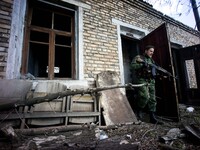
[162, 70]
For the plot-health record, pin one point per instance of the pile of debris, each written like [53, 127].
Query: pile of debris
[139, 135]
[122, 130]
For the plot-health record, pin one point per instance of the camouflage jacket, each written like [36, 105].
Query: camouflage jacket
[141, 70]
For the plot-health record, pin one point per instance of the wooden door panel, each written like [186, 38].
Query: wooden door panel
[190, 73]
[165, 87]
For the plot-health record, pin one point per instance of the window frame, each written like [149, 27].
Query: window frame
[52, 33]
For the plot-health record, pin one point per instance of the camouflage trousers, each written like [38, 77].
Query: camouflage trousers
[146, 96]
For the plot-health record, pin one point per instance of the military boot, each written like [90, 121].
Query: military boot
[139, 114]
[153, 118]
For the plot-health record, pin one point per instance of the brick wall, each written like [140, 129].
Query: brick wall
[100, 35]
[183, 37]
[5, 25]
[100, 41]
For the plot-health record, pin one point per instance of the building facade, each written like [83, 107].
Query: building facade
[96, 30]
[71, 41]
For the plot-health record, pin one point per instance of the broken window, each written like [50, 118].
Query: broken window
[49, 42]
[191, 74]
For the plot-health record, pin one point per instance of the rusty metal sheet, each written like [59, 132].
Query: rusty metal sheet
[13, 91]
[193, 130]
[116, 108]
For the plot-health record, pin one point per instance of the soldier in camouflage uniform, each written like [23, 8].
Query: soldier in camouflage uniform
[144, 74]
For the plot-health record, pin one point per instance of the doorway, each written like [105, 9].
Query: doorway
[130, 49]
[188, 64]
[165, 87]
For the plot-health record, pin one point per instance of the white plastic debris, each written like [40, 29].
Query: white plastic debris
[129, 136]
[171, 135]
[103, 135]
[190, 109]
[39, 140]
[100, 134]
[77, 133]
[124, 142]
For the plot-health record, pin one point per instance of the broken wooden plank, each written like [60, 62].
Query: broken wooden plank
[9, 132]
[81, 104]
[116, 108]
[47, 115]
[22, 89]
[49, 130]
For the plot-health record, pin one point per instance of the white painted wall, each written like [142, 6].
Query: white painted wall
[16, 40]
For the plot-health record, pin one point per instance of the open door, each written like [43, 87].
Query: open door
[167, 101]
[189, 76]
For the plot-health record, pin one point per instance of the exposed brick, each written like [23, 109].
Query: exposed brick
[4, 44]
[6, 4]
[2, 64]
[6, 17]
[4, 30]
[3, 35]
[8, 9]
[3, 56]
[3, 21]
[3, 39]
[8, 1]
[4, 26]
[100, 39]
[2, 75]
[4, 12]
[3, 49]
[100, 35]
[1, 69]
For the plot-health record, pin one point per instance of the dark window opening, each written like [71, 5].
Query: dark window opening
[64, 54]
[62, 22]
[41, 18]
[38, 60]
[63, 40]
[39, 36]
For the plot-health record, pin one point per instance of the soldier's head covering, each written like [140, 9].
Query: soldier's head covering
[148, 47]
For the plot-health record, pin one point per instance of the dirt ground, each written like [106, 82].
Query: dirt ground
[137, 136]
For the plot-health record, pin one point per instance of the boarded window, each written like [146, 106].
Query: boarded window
[49, 43]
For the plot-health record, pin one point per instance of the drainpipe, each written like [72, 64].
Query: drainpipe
[196, 13]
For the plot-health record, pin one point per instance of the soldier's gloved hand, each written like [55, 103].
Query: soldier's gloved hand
[154, 73]
[146, 64]
[140, 60]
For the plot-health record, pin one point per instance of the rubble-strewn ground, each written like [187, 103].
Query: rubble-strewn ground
[133, 136]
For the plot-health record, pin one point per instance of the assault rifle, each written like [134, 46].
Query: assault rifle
[155, 67]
